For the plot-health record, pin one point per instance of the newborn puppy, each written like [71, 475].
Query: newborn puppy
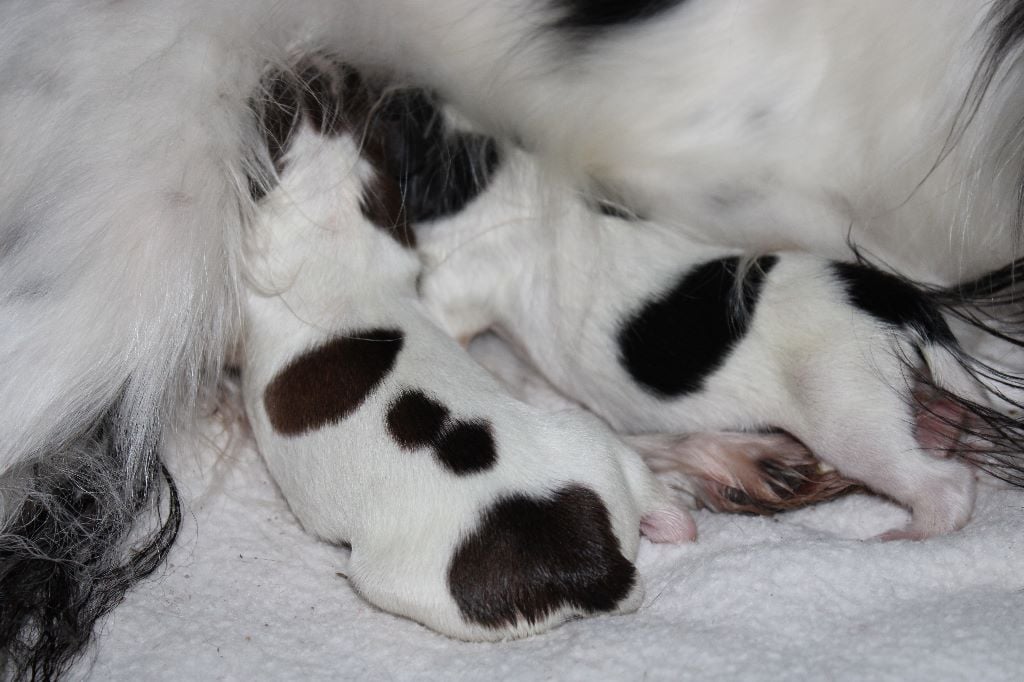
[466, 510]
[660, 334]
[441, 167]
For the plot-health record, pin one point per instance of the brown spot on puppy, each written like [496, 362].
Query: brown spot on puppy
[415, 420]
[327, 383]
[467, 447]
[531, 556]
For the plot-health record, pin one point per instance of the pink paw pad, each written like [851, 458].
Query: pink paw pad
[669, 525]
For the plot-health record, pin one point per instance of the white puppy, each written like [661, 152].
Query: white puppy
[466, 510]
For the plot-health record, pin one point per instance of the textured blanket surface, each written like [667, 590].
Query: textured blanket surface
[247, 595]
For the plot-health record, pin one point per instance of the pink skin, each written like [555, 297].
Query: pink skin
[769, 473]
[669, 525]
[752, 473]
[940, 425]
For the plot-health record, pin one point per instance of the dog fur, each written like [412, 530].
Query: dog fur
[660, 335]
[131, 141]
[466, 510]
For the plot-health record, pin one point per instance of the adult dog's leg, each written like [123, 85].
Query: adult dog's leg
[121, 148]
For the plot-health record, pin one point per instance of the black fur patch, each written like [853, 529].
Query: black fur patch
[467, 447]
[678, 339]
[597, 15]
[439, 171]
[892, 300]
[424, 171]
[73, 548]
[416, 420]
[326, 384]
[531, 556]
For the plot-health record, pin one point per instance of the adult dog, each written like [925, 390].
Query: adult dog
[129, 145]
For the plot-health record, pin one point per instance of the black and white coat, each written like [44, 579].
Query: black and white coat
[133, 162]
[664, 336]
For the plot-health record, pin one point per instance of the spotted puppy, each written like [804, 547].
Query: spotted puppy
[660, 334]
[466, 510]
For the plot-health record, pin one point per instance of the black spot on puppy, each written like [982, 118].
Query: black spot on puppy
[326, 384]
[892, 300]
[467, 447]
[423, 170]
[678, 339]
[531, 556]
[591, 16]
[415, 420]
[468, 161]
[439, 171]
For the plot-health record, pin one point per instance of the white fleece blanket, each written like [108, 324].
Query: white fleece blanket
[248, 596]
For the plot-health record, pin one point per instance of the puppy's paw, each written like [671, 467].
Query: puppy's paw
[749, 473]
[941, 503]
